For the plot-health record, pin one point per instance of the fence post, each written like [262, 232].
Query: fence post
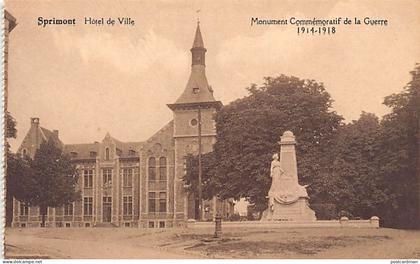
[374, 221]
[344, 221]
[218, 226]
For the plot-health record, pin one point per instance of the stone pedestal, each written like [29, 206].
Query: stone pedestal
[297, 211]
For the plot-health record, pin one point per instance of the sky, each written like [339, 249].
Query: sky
[87, 80]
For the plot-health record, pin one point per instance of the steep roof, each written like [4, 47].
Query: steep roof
[37, 134]
[198, 40]
[125, 148]
[197, 89]
[84, 150]
[11, 19]
[48, 134]
[198, 80]
[168, 126]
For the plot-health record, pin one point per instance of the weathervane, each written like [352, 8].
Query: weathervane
[198, 17]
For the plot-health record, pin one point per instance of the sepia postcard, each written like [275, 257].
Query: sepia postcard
[211, 130]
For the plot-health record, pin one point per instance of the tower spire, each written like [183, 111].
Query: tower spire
[198, 51]
[198, 40]
[197, 91]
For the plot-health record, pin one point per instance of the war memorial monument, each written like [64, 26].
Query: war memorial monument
[287, 200]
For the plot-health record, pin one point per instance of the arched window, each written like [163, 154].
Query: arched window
[162, 169]
[152, 169]
[24, 152]
[107, 153]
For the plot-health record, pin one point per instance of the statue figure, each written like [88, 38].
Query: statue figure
[275, 172]
[284, 188]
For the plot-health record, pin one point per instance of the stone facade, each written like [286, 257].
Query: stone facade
[136, 184]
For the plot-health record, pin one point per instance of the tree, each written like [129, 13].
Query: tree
[208, 181]
[10, 125]
[399, 157]
[248, 130]
[10, 133]
[365, 168]
[374, 167]
[354, 185]
[52, 181]
[19, 174]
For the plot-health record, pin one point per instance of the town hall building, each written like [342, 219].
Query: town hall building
[137, 184]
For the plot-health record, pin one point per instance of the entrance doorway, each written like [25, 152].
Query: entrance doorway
[106, 209]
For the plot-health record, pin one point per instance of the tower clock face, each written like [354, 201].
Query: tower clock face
[193, 122]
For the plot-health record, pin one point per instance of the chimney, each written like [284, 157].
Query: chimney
[55, 133]
[34, 121]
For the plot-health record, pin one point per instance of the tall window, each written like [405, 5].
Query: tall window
[152, 169]
[107, 177]
[107, 153]
[162, 169]
[127, 177]
[68, 209]
[24, 209]
[152, 202]
[162, 202]
[87, 205]
[128, 205]
[88, 178]
[157, 203]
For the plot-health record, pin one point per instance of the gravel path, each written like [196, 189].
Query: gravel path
[22, 244]
[133, 243]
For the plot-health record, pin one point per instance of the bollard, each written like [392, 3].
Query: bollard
[344, 221]
[218, 226]
[374, 221]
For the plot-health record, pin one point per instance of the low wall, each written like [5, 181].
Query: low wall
[344, 222]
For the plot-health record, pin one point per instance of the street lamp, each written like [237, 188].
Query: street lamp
[200, 171]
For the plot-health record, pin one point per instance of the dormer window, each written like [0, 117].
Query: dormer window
[73, 154]
[92, 154]
[196, 90]
[131, 153]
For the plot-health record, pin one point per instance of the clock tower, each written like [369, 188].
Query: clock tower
[194, 126]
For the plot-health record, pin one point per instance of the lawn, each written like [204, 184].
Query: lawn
[198, 243]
